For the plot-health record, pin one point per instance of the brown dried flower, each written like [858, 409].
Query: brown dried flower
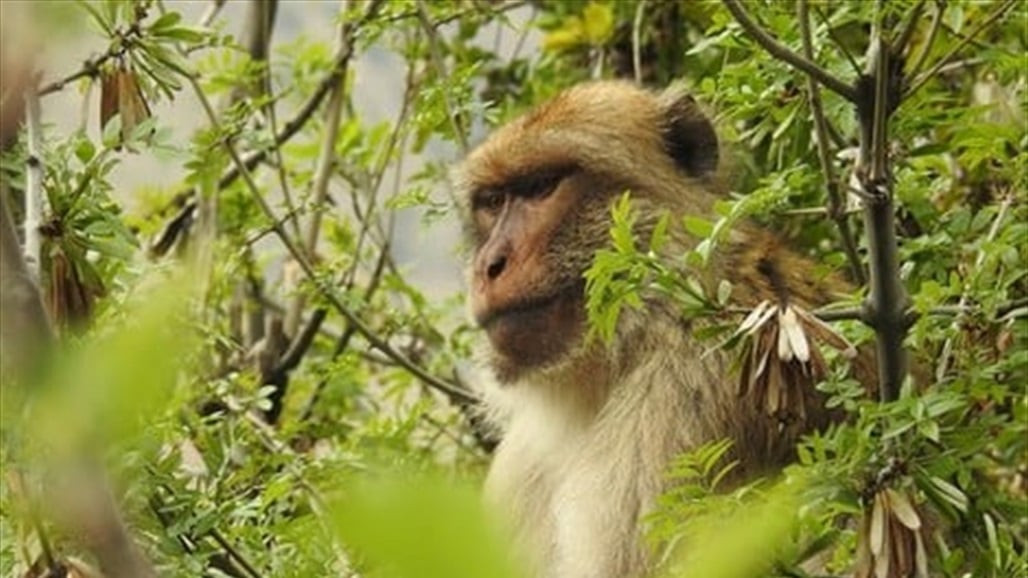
[891, 543]
[781, 361]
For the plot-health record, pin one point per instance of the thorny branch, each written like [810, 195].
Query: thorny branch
[876, 95]
[887, 300]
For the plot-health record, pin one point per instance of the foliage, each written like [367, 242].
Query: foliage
[286, 406]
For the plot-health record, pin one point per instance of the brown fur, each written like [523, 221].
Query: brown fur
[589, 432]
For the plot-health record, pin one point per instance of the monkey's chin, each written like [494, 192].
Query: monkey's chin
[536, 334]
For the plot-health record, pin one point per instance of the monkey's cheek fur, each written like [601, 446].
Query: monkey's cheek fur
[527, 338]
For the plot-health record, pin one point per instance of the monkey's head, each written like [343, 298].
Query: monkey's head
[537, 196]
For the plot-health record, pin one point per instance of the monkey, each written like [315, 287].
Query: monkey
[588, 427]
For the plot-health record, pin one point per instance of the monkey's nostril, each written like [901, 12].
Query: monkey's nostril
[496, 268]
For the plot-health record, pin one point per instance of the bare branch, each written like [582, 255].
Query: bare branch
[836, 203]
[322, 175]
[945, 357]
[637, 41]
[838, 41]
[886, 304]
[33, 182]
[454, 393]
[913, 18]
[933, 32]
[783, 53]
[25, 332]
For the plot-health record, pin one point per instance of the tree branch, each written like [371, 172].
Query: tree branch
[783, 53]
[886, 304]
[933, 32]
[34, 172]
[983, 25]
[454, 393]
[25, 332]
[913, 18]
[836, 204]
[459, 133]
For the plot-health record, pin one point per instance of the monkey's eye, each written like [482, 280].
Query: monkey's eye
[489, 200]
[537, 186]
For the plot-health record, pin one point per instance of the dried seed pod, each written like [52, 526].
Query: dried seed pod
[891, 541]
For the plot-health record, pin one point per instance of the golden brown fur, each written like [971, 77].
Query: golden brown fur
[588, 429]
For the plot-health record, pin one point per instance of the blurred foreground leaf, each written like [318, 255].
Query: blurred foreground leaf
[114, 383]
[421, 526]
[745, 543]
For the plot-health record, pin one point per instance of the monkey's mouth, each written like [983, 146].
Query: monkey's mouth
[533, 332]
[518, 309]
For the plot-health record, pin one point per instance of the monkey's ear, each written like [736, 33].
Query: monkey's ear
[689, 138]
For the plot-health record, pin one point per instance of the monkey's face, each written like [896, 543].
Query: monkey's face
[537, 197]
[534, 237]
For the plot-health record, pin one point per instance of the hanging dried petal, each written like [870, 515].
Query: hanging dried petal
[920, 556]
[790, 325]
[818, 330]
[903, 510]
[108, 95]
[760, 314]
[131, 103]
[878, 531]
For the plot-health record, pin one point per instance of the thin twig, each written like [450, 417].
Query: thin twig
[90, 69]
[322, 174]
[211, 13]
[816, 212]
[455, 394]
[838, 41]
[435, 52]
[783, 53]
[946, 354]
[637, 41]
[234, 554]
[836, 202]
[291, 127]
[933, 32]
[913, 19]
[983, 25]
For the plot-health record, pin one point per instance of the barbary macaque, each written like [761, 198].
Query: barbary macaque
[588, 427]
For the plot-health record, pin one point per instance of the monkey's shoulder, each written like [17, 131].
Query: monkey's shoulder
[762, 266]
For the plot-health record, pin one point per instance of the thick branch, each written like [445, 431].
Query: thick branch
[25, 332]
[783, 53]
[887, 302]
[33, 182]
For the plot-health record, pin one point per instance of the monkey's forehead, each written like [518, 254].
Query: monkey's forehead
[607, 126]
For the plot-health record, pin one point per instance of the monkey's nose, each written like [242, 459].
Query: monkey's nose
[496, 267]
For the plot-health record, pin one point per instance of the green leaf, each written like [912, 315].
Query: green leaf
[597, 23]
[417, 526]
[697, 226]
[111, 136]
[724, 292]
[85, 150]
[167, 20]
